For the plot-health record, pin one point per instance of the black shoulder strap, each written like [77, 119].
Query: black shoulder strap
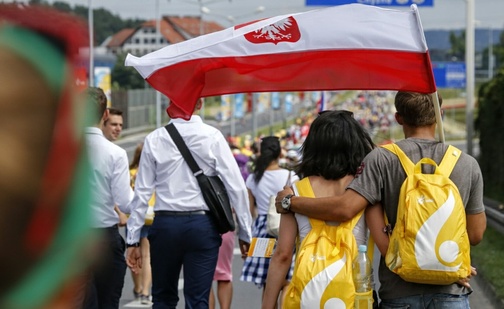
[182, 147]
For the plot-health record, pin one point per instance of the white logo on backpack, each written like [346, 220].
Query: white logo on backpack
[425, 242]
[310, 296]
[421, 200]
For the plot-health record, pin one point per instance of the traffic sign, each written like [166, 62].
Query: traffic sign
[373, 2]
[449, 74]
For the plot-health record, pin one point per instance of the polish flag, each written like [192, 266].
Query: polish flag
[347, 47]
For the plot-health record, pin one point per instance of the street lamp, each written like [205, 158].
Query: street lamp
[202, 9]
[201, 4]
[91, 44]
[490, 52]
[231, 18]
[470, 75]
[158, 36]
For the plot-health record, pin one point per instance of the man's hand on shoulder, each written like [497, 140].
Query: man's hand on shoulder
[280, 196]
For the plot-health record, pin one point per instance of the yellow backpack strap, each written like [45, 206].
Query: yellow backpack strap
[406, 163]
[305, 189]
[449, 160]
[370, 247]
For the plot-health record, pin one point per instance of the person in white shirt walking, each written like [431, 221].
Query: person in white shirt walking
[183, 234]
[110, 185]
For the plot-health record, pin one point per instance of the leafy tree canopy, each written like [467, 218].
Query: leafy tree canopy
[126, 77]
[105, 23]
[491, 128]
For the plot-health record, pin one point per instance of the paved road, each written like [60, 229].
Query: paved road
[248, 296]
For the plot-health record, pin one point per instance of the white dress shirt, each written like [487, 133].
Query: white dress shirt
[163, 169]
[110, 180]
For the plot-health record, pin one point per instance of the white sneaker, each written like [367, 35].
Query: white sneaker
[145, 300]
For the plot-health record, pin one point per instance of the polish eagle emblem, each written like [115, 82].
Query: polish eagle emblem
[285, 30]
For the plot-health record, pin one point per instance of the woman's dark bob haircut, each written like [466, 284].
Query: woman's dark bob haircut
[334, 147]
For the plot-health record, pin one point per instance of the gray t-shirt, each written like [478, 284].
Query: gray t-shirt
[380, 180]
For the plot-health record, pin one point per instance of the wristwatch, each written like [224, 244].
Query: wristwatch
[286, 201]
[136, 245]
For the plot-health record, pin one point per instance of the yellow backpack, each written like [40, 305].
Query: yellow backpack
[323, 269]
[429, 243]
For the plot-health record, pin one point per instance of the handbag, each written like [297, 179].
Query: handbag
[272, 216]
[213, 189]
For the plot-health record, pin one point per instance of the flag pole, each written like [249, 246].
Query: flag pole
[439, 120]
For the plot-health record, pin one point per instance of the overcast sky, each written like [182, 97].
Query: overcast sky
[446, 14]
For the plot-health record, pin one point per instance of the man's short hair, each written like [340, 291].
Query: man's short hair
[98, 99]
[115, 111]
[416, 109]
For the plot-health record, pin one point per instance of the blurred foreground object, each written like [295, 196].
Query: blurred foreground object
[44, 189]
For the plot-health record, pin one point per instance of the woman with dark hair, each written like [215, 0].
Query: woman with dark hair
[335, 147]
[331, 157]
[265, 181]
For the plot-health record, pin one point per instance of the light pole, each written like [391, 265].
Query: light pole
[470, 75]
[91, 43]
[201, 4]
[490, 52]
[232, 19]
[204, 10]
[158, 36]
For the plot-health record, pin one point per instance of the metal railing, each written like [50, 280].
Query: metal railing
[139, 112]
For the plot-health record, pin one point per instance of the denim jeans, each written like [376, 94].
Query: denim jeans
[427, 301]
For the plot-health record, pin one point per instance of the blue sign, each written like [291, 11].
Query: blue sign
[373, 2]
[239, 98]
[289, 99]
[449, 74]
[275, 100]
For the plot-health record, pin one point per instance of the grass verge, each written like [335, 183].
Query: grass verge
[487, 257]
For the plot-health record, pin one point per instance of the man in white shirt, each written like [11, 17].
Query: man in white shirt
[112, 128]
[183, 234]
[110, 185]
[113, 125]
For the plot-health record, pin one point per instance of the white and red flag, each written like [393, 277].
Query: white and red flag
[343, 47]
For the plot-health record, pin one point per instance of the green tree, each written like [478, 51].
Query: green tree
[124, 77]
[37, 2]
[457, 50]
[105, 23]
[499, 51]
[491, 128]
[62, 6]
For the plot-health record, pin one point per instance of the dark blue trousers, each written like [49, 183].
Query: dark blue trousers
[106, 281]
[190, 242]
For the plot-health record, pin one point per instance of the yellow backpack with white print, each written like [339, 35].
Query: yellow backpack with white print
[429, 243]
[323, 267]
